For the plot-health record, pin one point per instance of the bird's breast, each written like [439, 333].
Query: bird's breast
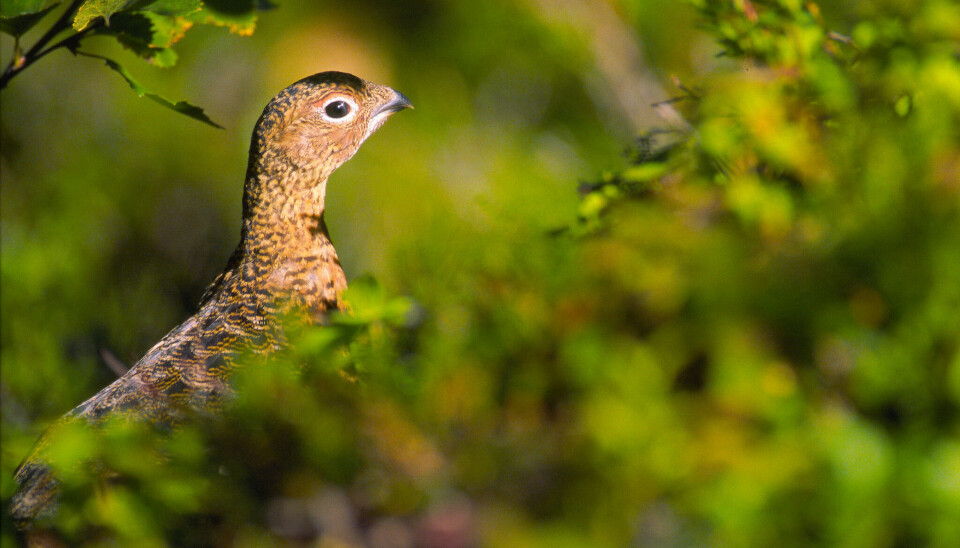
[314, 281]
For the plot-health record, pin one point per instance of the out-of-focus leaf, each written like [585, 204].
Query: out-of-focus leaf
[182, 107]
[167, 30]
[239, 16]
[168, 7]
[12, 8]
[644, 172]
[16, 22]
[320, 340]
[593, 204]
[92, 9]
[902, 105]
[162, 57]
[369, 303]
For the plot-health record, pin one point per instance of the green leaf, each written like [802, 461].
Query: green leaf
[231, 7]
[18, 25]
[645, 172]
[320, 340]
[13, 8]
[182, 107]
[168, 7]
[92, 9]
[593, 204]
[369, 303]
[167, 29]
[902, 106]
[133, 30]
[149, 35]
[162, 57]
[240, 16]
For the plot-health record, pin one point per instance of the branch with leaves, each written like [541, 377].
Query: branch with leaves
[148, 28]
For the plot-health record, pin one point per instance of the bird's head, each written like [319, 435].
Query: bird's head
[318, 123]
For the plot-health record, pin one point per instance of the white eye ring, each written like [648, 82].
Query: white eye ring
[331, 109]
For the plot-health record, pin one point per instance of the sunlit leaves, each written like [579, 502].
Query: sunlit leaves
[143, 26]
[814, 204]
[238, 16]
[368, 303]
[149, 35]
[93, 9]
[147, 27]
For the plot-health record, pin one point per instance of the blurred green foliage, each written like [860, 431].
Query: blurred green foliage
[745, 334]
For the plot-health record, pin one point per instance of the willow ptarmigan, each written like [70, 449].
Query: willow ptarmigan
[285, 261]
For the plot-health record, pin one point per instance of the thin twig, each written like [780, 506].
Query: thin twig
[114, 363]
[62, 24]
[70, 42]
[21, 62]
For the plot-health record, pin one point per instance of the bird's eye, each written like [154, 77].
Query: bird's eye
[337, 109]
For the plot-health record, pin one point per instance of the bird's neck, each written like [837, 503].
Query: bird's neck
[283, 206]
[285, 253]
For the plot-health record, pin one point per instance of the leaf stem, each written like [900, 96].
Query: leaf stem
[21, 62]
[17, 51]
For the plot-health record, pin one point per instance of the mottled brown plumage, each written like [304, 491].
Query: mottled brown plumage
[284, 263]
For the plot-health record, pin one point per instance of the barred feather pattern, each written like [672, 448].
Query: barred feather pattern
[285, 263]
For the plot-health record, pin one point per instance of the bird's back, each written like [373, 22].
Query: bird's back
[185, 372]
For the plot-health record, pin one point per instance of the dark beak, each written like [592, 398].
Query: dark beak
[397, 103]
